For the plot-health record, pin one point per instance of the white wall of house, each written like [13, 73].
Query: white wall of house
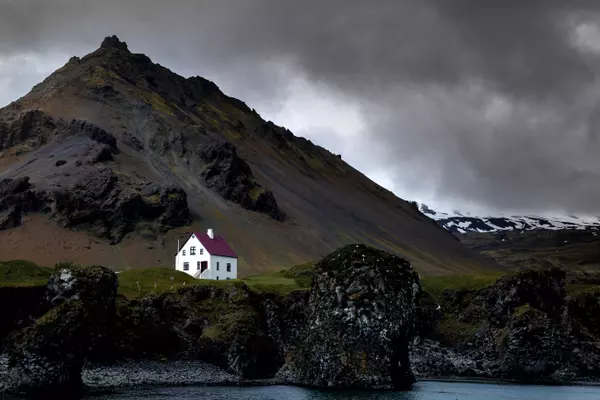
[219, 266]
[190, 257]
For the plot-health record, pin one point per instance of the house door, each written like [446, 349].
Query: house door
[203, 266]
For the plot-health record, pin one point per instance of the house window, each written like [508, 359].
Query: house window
[198, 265]
[192, 251]
[228, 267]
[186, 266]
[217, 265]
[201, 251]
[184, 252]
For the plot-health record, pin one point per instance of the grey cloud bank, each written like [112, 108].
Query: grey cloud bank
[459, 103]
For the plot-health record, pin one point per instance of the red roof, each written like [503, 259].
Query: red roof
[217, 246]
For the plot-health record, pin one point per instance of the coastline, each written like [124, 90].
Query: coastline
[499, 381]
[128, 375]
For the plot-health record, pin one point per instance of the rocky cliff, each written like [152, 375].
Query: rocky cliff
[47, 357]
[352, 329]
[359, 321]
[524, 327]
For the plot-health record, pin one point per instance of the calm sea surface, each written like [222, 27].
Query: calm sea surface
[422, 391]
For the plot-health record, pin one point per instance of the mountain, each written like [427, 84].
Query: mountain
[457, 222]
[521, 242]
[113, 158]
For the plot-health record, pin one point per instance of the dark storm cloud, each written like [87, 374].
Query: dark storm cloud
[481, 101]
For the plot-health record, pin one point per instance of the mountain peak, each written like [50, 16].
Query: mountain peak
[113, 42]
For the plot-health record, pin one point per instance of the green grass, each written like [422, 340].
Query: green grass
[136, 283]
[452, 331]
[23, 273]
[139, 282]
[283, 282]
[581, 288]
[435, 285]
[522, 310]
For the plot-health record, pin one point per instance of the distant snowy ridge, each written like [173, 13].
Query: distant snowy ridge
[457, 222]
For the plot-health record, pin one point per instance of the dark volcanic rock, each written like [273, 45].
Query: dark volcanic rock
[16, 198]
[524, 327]
[96, 133]
[11, 219]
[113, 42]
[33, 127]
[10, 187]
[360, 319]
[535, 346]
[46, 358]
[132, 141]
[26, 305]
[85, 192]
[227, 326]
[543, 290]
[231, 177]
[354, 332]
[99, 201]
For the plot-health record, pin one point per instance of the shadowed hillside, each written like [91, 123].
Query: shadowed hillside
[115, 146]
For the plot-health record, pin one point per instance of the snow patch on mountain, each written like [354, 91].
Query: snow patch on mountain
[458, 222]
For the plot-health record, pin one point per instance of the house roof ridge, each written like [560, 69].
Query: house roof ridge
[216, 246]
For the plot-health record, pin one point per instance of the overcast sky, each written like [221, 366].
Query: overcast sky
[470, 104]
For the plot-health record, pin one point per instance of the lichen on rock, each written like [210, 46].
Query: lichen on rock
[360, 319]
[523, 327]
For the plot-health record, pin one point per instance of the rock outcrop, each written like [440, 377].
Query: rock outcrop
[76, 185]
[231, 177]
[359, 322]
[33, 128]
[99, 201]
[225, 325]
[47, 357]
[524, 327]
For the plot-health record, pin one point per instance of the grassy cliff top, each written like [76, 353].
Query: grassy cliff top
[23, 273]
[138, 282]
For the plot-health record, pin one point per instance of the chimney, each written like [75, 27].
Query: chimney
[210, 233]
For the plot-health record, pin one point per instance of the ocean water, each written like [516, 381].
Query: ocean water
[422, 391]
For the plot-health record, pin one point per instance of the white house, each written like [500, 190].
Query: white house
[206, 256]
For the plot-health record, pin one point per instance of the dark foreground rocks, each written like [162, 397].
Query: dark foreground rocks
[47, 357]
[352, 329]
[359, 322]
[524, 327]
[353, 332]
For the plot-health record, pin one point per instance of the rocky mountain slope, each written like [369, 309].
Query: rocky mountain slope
[113, 157]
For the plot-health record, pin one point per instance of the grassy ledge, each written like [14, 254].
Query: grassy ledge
[20, 273]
